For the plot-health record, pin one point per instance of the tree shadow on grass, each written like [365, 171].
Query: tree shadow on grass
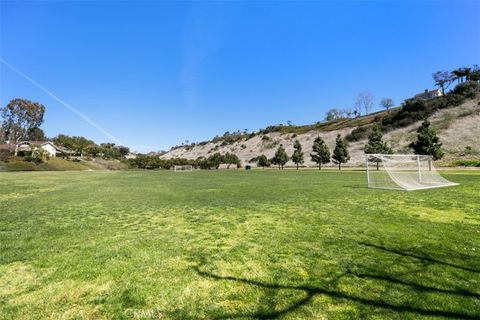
[328, 288]
[422, 257]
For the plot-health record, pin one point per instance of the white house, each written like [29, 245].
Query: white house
[428, 94]
[51, 149]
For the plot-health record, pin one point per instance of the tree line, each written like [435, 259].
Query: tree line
[427, 143]
[320, 154]
[22, 119]
[206, 163]
[443, 79]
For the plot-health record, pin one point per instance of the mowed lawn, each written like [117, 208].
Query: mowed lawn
[241, 245]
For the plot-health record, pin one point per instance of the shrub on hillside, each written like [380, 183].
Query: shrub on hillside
[467, 89]
[358, 134]
[5, 155]
[413, 110]
[416, 110]
[467, 163]
[38, 155]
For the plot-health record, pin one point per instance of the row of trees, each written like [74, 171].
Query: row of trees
[427, 143]
[85, 147]
[443, 79]
[22, 120]
[364, 103]
[320, 154]
[154, 162]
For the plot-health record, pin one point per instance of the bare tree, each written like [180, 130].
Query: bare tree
[363, 101]
[387, 103]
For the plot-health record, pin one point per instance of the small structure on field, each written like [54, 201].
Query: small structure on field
[227, 166]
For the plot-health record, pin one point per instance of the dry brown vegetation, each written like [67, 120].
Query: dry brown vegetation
[458, 129]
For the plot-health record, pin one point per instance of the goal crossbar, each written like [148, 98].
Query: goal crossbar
[403, 172]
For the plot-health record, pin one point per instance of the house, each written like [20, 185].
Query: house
[51, 149]
[427, 95]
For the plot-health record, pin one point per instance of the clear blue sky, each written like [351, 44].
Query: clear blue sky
[154, 74]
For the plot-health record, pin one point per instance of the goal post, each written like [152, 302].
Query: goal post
[183, 168]
[403, 172]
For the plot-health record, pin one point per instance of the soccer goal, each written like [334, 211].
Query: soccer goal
[184, 168]
[403, 172]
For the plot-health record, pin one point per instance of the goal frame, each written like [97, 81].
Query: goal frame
[176, 168]
[419, 172]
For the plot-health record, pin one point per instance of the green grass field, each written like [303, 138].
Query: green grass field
[242, 245]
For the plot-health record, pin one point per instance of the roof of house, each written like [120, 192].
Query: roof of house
[42, 143]
[428, 92]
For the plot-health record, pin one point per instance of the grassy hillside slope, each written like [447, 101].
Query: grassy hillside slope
[457, 126]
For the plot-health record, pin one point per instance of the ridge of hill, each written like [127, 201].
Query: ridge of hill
[456, 118]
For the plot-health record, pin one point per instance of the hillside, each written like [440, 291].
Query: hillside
[458, 127]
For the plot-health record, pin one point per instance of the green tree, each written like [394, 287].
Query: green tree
[262, 161]
[332, 114]
[20, 116]
[280, 157]
[37, 155]
[79, 144]
[297, 156]
[475, 74]
[386, 103]
[36, 134]
[428, 143]
[231, 158]
[340, 153]
[320, 154]
[375, 144]
[459, 74]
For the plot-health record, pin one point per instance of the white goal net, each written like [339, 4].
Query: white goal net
[184, 168]
[403, 172]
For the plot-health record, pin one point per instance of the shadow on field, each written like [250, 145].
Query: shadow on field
[424, 258]
[329, 289]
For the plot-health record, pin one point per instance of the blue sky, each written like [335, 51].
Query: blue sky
[154, 74]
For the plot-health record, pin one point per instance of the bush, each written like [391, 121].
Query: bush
[358, 134]
[467, 163]
[5, 155]
[467, 89]
[38, 155]
[250, 136]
